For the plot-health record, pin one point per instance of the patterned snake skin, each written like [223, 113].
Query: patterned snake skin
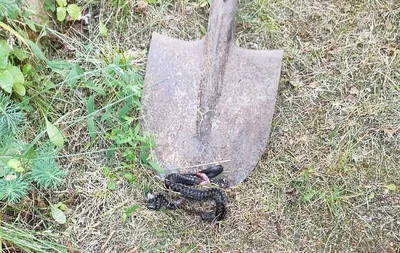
[183, 184]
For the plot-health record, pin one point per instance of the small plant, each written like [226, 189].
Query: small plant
[11, 77]
[29, 241]
[20, 165]
[10, 116]
[45, 171]
[73, 10]
[9, 9]
[13, 189]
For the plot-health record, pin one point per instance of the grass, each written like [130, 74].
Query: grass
[333, 150]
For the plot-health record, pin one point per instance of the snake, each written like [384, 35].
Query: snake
[185, 185]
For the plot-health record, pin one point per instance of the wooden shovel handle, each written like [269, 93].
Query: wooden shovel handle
[220, 22]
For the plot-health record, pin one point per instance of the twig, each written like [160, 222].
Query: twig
[108, 239]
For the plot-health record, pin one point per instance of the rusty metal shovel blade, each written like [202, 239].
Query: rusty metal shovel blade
[210, 101]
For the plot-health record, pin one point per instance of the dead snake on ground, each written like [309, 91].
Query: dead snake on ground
[183, 184]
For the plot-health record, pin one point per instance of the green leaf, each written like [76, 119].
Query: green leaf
[58, 215]
[391, 187]
[74, 11]
[61, 13]
[125, 110]
[18, 80]
[91, 126]
[103, 29]
[20, 53]
[157, 167]
[60, 65]
[75, 74]
[62, 206]
[54, 134]
[6, 81]
[309, 195]
[111, 184]
[203, 29]
[49, 84]
[97, 89]
[30, 24]
[130, 177]
[36, 50]
[15, 165]
[27, 69]
[151, 1]
[371, 196]
[17, 74]
[62, 3]
[19, 88]
[4, 52]
[128, 212]
[48, 5]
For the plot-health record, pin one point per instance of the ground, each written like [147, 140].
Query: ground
[322, 184]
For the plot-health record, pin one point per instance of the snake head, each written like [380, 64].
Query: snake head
[212, 171]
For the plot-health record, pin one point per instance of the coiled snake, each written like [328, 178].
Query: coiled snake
[184, 184]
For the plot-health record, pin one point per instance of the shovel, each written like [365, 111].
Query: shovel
[209, 101]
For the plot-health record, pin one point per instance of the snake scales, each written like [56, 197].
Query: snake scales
[184, 184]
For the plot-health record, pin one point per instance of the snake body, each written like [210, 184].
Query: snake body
[184, 184]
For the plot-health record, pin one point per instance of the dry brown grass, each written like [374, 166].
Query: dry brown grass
[335, 138]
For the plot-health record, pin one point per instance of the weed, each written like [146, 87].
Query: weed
[12, 236]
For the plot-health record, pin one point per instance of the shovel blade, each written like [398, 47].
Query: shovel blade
[233, 131]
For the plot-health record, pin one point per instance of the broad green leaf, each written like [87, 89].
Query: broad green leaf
[30, 24]
[54, 134]
[48, 5]
[157, 167]
[61, 13]
[19, 88]
[309, 195]
[130, 177]
[58, 215]
[74, 11]
[36, 50]
[62, 206]
[91, 126]
[15, 165]
[126, 109]
[371, 196]
[75, 74]
[4, 53]
[203, 29]
[128, 212]
[107, 171]
[6, 81]
[20, 53]
[111, 184]
[17, 74]
[391, 187]
[60, 65]
[103, 29]
[62, 3]
[97, 89]
[49, 84]
[18, 82]
[27, 69]
[151, 1]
